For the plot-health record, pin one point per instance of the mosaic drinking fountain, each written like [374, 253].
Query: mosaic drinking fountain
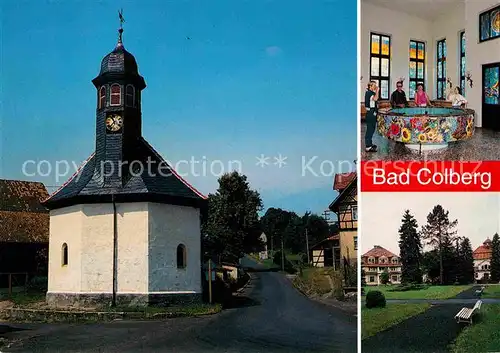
[426, 128]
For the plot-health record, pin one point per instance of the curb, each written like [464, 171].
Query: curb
[246, 284]
[38, 315]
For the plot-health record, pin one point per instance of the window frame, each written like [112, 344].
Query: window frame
[111, 95]
[416, 79]
[354, 212]
[64, 255]
[463, 59]
[480, 16]
[132, 95]
[101, 97]
[181, 265]
[441, 61]
[381, 56]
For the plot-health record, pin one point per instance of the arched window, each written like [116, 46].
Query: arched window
[181, 256]
[116, 94]
[64, 254]
[102, 97]
[130, 96]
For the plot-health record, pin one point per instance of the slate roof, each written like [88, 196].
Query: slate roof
[162, 185]
[23, 219]
[483, 252]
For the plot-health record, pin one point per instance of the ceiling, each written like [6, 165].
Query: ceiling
[426, 9]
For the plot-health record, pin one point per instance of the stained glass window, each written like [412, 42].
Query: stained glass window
[417, 65]
[489, 24]
[380, 57]
[441, 69]
[462, 62]
[491, 85]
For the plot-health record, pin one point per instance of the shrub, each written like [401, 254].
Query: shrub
[384, 277]
[37, 284]
[375, 299]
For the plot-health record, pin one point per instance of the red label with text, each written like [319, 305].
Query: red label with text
[435, 176]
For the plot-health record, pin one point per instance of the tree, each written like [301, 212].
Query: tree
[465, 262]
[274, 224]
[430, 265]
[384, 277]
[363, 278]
[495, 259]
[232, 226]
[438, 232]
[410, 250]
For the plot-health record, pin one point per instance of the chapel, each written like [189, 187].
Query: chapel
[125, 228]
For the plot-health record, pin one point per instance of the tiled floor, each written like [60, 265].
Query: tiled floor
[483, 146]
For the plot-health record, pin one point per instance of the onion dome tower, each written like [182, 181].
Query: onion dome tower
[125, 227]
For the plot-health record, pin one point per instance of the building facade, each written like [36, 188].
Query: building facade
[24, 231]
[345, 207]
[377, 261]
[126, 227]
[482, 261]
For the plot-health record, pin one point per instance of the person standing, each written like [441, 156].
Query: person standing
[398, 97]
[421, 97]
[371, 98]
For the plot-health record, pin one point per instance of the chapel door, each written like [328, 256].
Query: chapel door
[491, 97]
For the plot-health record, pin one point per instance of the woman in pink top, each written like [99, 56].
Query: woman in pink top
[421, 97]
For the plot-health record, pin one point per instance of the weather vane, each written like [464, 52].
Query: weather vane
[120, 31]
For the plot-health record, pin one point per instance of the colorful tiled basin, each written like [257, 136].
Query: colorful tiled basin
[431, 127]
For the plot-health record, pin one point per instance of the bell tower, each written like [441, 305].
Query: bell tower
[118, 114]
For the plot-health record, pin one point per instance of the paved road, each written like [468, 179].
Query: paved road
[272, 317]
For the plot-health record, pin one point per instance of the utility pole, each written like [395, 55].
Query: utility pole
[282, 257]
[307, 247]
[210, 281]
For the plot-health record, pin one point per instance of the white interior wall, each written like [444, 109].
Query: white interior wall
[477, 53]
[449, 26]
[402, 28]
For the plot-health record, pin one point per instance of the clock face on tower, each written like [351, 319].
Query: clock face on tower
[114, 123]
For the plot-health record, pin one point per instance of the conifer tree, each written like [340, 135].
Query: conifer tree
[410, 250]
[495, 259]
[439, 232]
[466, 262]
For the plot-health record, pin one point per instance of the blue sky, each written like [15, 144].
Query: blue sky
[227, 80]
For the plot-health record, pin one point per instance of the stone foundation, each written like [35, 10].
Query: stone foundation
[133, 300]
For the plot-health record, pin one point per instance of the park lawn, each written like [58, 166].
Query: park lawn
[432, 292]
[379, 319]
[491, 291]
[483, 335]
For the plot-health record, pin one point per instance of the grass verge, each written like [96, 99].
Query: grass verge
[379, 319]
[483, 335]
[491, 291]
[431, 292]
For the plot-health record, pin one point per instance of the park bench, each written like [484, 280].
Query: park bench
[466, 314]
[480, 290]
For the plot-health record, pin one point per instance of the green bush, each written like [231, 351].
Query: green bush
[37, 284]
[375, 299]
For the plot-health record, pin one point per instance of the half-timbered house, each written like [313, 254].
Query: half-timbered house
[346, 208]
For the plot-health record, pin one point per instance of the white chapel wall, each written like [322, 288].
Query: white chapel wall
[132, 243]
[65, 227]
[169, 226]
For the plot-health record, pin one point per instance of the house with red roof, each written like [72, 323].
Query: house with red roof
[482, 261]
[345, 206]
[377, 261]
[24, 231]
